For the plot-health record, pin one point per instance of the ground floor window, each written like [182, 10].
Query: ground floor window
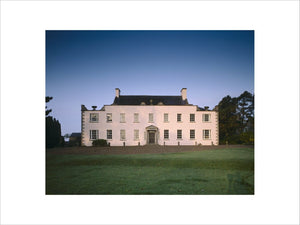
[192, 134]
[122, 135]
[136, 135]
[206, 134]
[166, 134]
[94, 134]
[179, 134]
[109, 134]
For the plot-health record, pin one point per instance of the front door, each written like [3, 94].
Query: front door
[151, 137]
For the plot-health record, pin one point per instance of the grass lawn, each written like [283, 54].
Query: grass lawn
[222, 171]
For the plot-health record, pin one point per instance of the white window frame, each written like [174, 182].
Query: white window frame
[122, 118]
[179, 134]
[179, 117]
[194, 119]
[94, 135]
[136, 118]
[192, 134]
[94, 117]
[122, 135]
[109, 117]
[136, 134]
[206, 137]
[151, 118]
[166, 134]
[208, 118]
[166, 117]
[109, 134]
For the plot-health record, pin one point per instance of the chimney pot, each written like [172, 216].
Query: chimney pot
[183, 94]
[118, 92]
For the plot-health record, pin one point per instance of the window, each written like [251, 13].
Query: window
[179, 134]
[192, 134]
[109, 134]
[178, 117]
[166, 117]
[136, 135]
[192, 117]
[122, 135]
[150, 117]
[166, 134]
[94, 134]
[136, 118]
[206, 134]
[206, 118]
[94, 117]
[122, 117]
[108, 117]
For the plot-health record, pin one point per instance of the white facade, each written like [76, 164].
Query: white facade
[133, 125]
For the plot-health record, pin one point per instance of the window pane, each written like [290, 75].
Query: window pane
[122, 134]
[150, 117]
[206, 117]
[166, 134]
[109, 117]
[136, 134]
[109, 134]
[192, 134]
[94, 117]
[122, 117]
[136, 117]
[192, 117]
[166, 117]
[179, 134]
[178, 117]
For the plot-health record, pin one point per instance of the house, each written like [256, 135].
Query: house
[75, 139]
[134, 120]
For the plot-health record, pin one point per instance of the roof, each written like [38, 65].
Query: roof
[149, 100]
[75, 135]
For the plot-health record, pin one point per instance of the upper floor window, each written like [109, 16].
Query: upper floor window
[136, 118]
[166, 117]
[150, 117]
[94, 117]
[206, 134]
[108, 117]
[192, 117]
[178, 117]
[94, 134]
[206, 117]
[109, 134]
[179, 134]
[122, 117]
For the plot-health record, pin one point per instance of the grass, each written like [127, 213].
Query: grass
[225, 171]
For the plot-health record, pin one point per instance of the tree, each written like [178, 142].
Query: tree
[236, 119]
[53, 129]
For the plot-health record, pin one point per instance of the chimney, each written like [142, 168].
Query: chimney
[183, 94]
[118, 92]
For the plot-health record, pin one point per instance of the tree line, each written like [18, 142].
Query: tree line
[236, 119]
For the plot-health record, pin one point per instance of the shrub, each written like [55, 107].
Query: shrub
[100, 142]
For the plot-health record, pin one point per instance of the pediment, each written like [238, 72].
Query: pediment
[151, 127]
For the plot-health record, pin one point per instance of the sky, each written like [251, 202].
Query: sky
[85, 67]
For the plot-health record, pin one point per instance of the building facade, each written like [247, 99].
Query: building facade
[141, 120]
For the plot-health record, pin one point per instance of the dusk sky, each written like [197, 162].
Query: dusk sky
[85, 67]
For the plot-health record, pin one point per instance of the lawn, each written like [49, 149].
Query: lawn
[221, 171]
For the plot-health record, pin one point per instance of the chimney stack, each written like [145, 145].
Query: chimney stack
[183, 94]
[118, 92]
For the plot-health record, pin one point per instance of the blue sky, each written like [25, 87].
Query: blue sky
[85, 67]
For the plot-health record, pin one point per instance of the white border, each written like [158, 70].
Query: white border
[276, 199]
